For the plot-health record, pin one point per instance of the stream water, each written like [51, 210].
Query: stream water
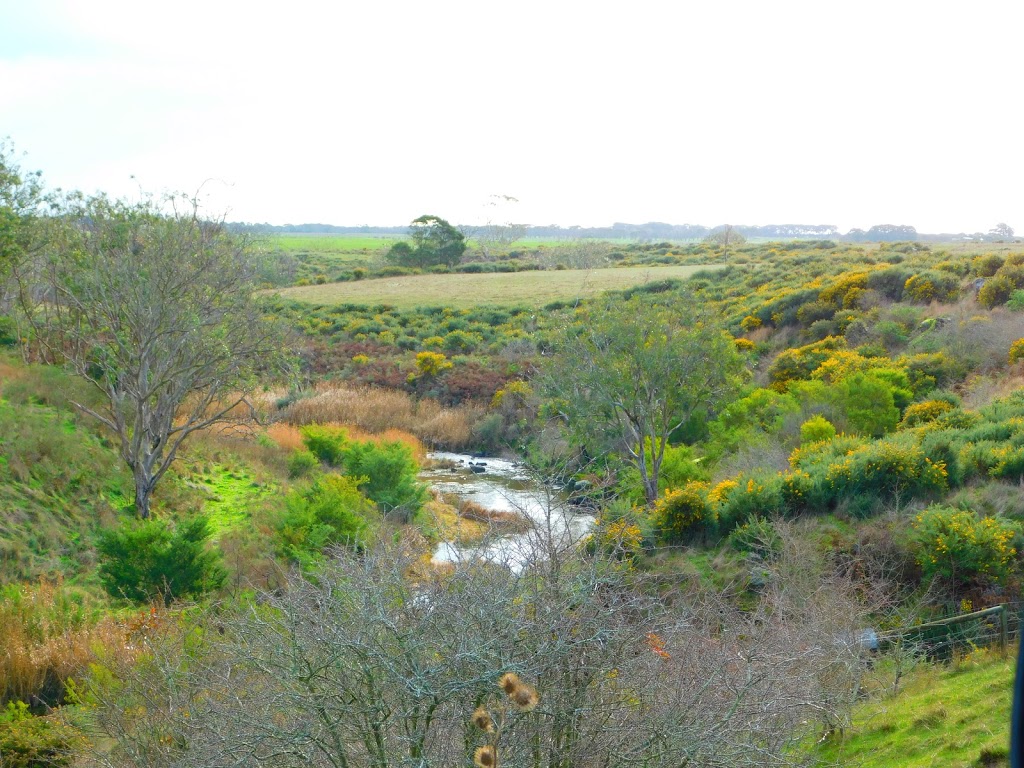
[503, 485]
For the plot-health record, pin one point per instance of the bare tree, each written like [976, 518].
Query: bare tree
[365, 667]
[156, 310]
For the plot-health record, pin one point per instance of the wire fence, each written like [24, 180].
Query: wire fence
[955, 636]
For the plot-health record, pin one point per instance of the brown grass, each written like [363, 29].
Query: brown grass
[376, 411]
[508, 522]
[47, 640]
[289, 437]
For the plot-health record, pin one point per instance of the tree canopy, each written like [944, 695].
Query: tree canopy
[434, 242]
[639, 370]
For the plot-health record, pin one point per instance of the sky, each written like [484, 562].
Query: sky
[587, 113]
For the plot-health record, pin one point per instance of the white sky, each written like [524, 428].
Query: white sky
[684, 111]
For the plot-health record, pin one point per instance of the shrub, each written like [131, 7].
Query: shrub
[986, 264]
[430, 364]
[332, 511]
[868, 404]
[963, 548]
[1016, 301]
[816, 429]
[1016, 351]
[886, 469]
[922, 413]
[147, 559]
[750, 323]
[996, 291]
[326, 443]
[930, 286]
[301, 463]
[27, 741]
[757, 536]
[759, 495]
[680, 514]
[387, 473]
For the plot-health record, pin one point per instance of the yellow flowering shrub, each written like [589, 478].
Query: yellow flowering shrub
[750, 323]
[923, 413]
[680, 513]
[1017, 351]
[964, 548]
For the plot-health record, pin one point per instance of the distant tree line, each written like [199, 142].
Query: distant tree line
[656, 230]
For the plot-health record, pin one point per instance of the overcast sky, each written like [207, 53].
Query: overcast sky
[683, 111]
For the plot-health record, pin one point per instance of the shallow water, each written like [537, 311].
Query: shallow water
[506, 486]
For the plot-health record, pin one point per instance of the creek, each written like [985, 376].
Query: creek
[502, 485]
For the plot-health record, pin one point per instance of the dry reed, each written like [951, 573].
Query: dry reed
[377, 410]
[47, 639]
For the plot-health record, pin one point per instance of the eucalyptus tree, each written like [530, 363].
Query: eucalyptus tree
[635, 371]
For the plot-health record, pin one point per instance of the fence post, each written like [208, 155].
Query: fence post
[1004, 630]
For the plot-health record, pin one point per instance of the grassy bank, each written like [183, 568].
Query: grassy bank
[953, 717]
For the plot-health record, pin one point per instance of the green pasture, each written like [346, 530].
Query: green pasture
[337, 245]
[954, 717]
[532, 288]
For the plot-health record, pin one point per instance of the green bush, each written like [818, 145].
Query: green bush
[868, 404]
[301, 463]
[326, 443]
[964, 548]
[757, 536]
[332, 511]
[388, 476]
[147, 559]
[27, 741]
[8, 331]
[816, 429]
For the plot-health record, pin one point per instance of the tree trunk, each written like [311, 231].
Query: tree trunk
[143, 492]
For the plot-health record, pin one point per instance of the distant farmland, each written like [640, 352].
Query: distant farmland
[534, 288]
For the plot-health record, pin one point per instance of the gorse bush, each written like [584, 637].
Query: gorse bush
[923, 413]
[326, 443]
[816, 429]
[147, 560]
[388, 471]
[680, 514]
[964, 548]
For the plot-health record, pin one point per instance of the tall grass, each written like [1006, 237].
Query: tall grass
[376, 411]
[48, 635]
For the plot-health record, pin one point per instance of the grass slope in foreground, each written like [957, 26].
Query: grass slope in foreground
[953, 717]
[532, 288]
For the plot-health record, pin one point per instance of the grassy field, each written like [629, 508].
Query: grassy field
[953, 717]
[466, 290]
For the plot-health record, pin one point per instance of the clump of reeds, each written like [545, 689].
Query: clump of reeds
[49, 634]
[499, 518]
[379, 410]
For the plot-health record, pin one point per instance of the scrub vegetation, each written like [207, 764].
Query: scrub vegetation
[798, 456]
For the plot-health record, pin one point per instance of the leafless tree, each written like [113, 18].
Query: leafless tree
[364, 666]
[156, 310]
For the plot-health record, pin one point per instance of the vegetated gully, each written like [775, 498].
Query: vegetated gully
[502, 485]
